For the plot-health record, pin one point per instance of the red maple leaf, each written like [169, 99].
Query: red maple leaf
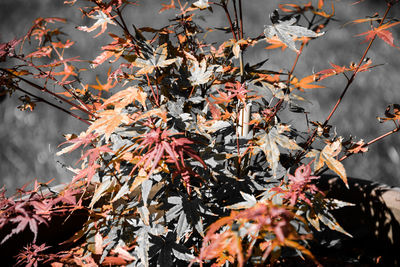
[298, 185]
[330, 72]
[381, 32]
[162, 143]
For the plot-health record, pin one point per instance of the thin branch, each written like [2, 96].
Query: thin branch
[152, 90]
[236, 19]
[280, 102]
[349, 82]
[365, 145]
[229, 19]
[53, 105]
[44, 89]
[241, 20]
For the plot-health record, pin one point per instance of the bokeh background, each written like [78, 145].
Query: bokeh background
[29, 140]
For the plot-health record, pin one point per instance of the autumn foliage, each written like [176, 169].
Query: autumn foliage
[185, 160]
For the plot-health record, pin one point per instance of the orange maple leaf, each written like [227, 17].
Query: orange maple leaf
[108, 122]
[68, 71]
[106, 86]
[276, 43]
[126, 97]
[166, 7]
[305, 83]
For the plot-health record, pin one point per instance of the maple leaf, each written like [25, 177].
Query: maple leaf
[87, 173]
[92, 167]
[84, 139]
[223, 98]
[24, 217]
[68, 196]
[104, 87]
[330, 72]
[43, 207]
[286, 32]
[381, 32]
[305, 83]
[299, 186]
[200, 73]
[32, 255]
[327, 156]
[160, 143]
[226, 235]
[126, 97]
[68, 71]
[202, 4]
[101, 58]
[166, 7]
[359, 147]
[108, 121]
[268, 143]
[40, 31]
[237, 90]
[158, 59]
[276, 43]
[102, 21]
[44, 51]
[392, 113]
[7, 49]
[116, 49]
[94, 154]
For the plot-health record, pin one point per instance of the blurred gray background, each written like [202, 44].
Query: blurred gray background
[29, 140]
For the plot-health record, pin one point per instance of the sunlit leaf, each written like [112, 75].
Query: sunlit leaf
[126, 97]
[102, 21]
[202, 4]
[286, 32]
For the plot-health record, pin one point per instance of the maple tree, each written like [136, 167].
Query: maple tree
[177, 168]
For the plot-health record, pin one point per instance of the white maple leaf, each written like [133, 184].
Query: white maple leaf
[200, 73]
[102, 21]
[268, 143]
[202, 4]
[156, 60]
[286, 32]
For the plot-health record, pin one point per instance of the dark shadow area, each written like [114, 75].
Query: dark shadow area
[373, 222]
[59, 229]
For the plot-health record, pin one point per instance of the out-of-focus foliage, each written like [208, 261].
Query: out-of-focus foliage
[191, 159]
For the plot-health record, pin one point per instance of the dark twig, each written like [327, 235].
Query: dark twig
[53, 105]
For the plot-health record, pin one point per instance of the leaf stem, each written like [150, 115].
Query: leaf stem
[152, 90]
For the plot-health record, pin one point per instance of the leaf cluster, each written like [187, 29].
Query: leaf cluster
[190, 134]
